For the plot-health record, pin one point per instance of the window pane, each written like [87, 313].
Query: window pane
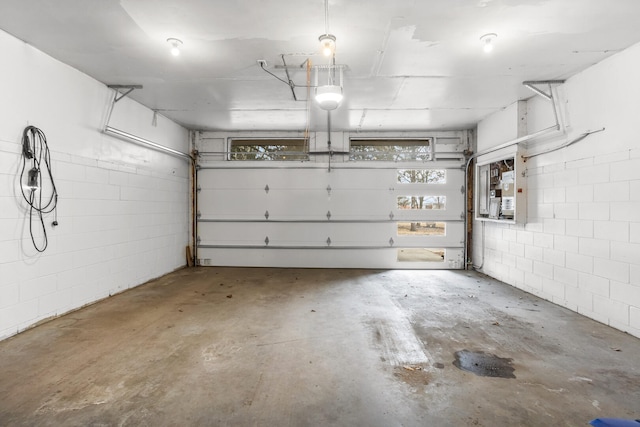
[421, 229]
[392, 150]
[422, 202]
[268, 149]
[422, 176]
[421, 255]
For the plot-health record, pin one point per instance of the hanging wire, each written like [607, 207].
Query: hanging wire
[326, 16]
[35, 150]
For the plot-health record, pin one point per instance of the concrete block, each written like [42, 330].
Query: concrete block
[553, 288]
[580, 193]
[611, 192]
[577, 262]
[566, 210]
[566, 243]
[599, 248]
[579, 163]
[97, 176]
[634, 191]
[634, 274]
[35, 288]
[543, 269]
[625, 211]
[554, 195]
[9, 294]
[532, 281]
[566, 178]
[533, 253]
[554, 257]
[554, 226]
[611, 230]
[543, 240]
[524, 264]
[516, 249]
[614, 310]
[594, 284]
[612, 270]
[625, 252]
[579, 228]
[625, 292]
[626, 170]
[524, 237]
[566, 276]
[634, 317]
[593, 174]
[593, 211]
[581, 298]
[618, 157]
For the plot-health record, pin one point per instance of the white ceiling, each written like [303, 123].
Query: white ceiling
[411, 64]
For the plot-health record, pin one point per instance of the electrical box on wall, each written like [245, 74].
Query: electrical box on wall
[500, 194]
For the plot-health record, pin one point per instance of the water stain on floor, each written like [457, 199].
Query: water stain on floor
[483, 364]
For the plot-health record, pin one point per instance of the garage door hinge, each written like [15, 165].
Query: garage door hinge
[329, 190]
[462, 215]
[199, 189]
[391, 242]
[198, 240]
[199, 215]
[391, 216]
[329, 215]
[328, 241]
[266, 214]
[462, 189]
[266, 240]
[266, 188]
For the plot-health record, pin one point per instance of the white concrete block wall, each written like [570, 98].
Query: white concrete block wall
[123, 210]
[582, 236]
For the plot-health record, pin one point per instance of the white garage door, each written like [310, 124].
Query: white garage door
[356, 214]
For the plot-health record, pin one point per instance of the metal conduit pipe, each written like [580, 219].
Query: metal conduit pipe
[545, 131]
[136, 139]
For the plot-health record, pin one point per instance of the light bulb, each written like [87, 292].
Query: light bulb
[327, 44]
[175, 46]
[487, 39]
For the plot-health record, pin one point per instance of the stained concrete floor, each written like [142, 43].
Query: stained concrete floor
[280, 347]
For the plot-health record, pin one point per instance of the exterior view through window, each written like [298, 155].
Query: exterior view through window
[422, 202]
[422, 176]
[268, 149]
[390, 150]
[421, 228]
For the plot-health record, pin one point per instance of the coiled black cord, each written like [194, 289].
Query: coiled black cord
[35, 150]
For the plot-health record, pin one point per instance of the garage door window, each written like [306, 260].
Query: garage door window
[422, 202]
[390, 150]
[268, 149]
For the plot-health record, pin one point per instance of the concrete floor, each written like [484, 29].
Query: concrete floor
[276, 347]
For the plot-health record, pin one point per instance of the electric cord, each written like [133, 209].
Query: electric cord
[35, 151]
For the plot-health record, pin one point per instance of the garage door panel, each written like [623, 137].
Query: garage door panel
[298, 200]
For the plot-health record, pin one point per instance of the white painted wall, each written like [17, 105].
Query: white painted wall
[123, 208]
[580, 247]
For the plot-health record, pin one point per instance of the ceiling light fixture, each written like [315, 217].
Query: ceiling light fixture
[330, 95]
[175, 45]
[327, 44]
[488, 39]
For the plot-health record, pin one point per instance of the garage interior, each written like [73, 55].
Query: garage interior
[334, 213]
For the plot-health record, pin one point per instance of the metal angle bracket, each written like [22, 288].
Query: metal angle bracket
[531, 84]
[123, 90]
